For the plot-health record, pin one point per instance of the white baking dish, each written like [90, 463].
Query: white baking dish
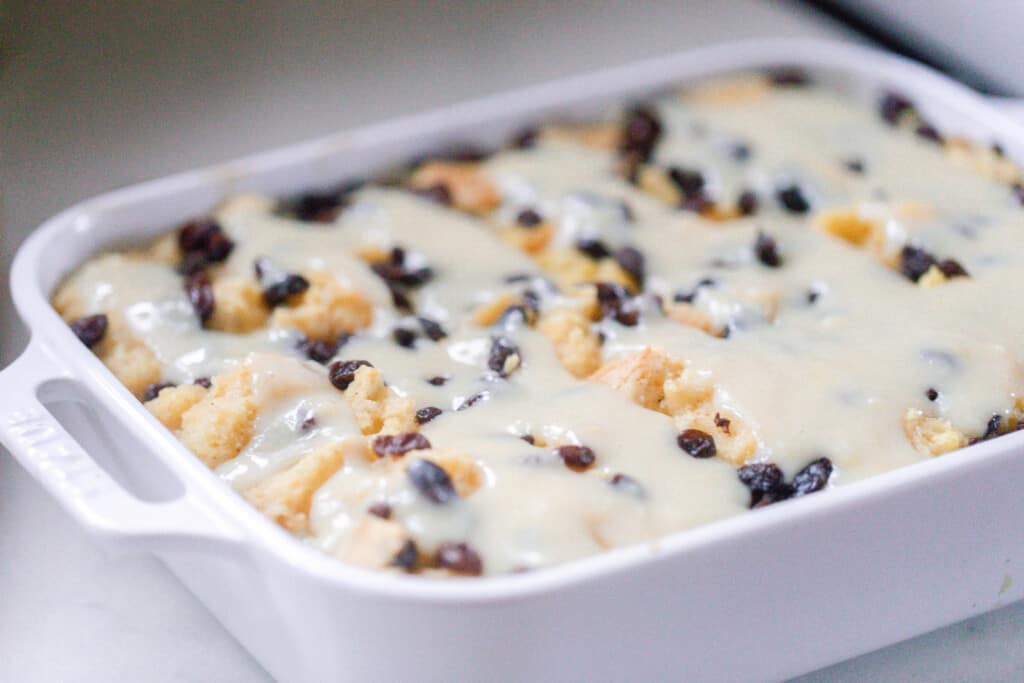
[762, 596]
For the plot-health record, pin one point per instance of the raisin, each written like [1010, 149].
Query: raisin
[473, 400]
[640, 134]
[631, 260]
[723, 423]
[529, 218]
[932, 394]
[928, 132]
[320, 350]
[893, 106]
[425, 415]
[404, 337]
[616, 303]
[204, 382]
[407, 557]
[576, 458]
[343, 372]
[308, 423]
[437, 380]
[432, 482]
[432, 329]
[90, 329]
[459, 558]
[689, 182]
[154, 389]
[380, 509]
[688, 297]
[991, 429]
[200, 295]
[592, 248]
[788, 77]
[812, 478]
[627, 485]
[792, 199]
[915, 262]
[439, 194]
[767, 250]
[765, 482]
[278, 285]
[739, 151]
[697, 443]
[504, 356]
[525, 139]
[529, 438]
[399, 444]
[952, 268]
[854, 166]
[747, 202]
[202, 241]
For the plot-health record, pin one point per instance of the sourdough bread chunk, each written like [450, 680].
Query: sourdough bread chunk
[698, 303]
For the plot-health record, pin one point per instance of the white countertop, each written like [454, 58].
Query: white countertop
[91, 99]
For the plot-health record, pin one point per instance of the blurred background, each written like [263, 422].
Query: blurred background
[97, 95]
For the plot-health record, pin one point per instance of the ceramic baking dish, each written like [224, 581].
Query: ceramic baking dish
[762, 596]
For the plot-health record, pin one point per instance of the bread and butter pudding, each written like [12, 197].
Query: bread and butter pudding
[717, 299]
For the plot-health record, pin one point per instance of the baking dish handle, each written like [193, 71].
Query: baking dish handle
[81, 486]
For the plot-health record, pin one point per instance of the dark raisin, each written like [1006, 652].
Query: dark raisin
[576, 458]
[631, 260]
[951, 268]
[202, 242]
[308, 423]
[854, 166]
[529, 438]
[154, 389]
[200, 295]
[459, 558]
[767, 250]
[688, 297]
[439, 194]
[893, 106]
[1018, 192]
[747, 202]
[788, 77]
[407, 557]
[616, 303]
[399, 444]
[928, 132]
[697, 443]
[689, 182]
[431, 481]
[641, 132]
[792, 198]
[432, 329]
[380, 509]
[812, 478]
[89, 329]
[400, 297]
[723, 423]
[915, 262]
[277, 284]
[525, 139]
[932, 394]
[998, 150]
[739, 151]
[991, 429]
[504, 357]
[204, 382]
[765, 482]
[343, 372]
[425, 415]
[404, 337]
[320, 350]
[437, 380]
[627, 485]
[529, 218]
[472, 400]
[594, 249]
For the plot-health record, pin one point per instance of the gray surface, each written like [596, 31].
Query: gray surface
[93, 97]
